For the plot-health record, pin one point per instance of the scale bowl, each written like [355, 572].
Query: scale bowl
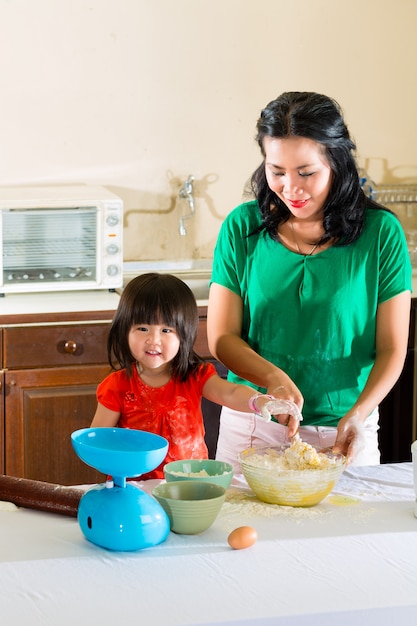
[119, 451]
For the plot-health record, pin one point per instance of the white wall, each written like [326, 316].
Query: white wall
[138, 94]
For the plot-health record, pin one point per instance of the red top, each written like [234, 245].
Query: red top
[172, 411]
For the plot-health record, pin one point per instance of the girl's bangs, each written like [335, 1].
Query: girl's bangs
[152, 309]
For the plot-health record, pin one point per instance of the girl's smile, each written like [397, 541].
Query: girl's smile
[153, 346]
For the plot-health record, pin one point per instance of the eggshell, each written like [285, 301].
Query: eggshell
[242, 537]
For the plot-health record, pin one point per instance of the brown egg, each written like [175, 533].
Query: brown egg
[242, 537]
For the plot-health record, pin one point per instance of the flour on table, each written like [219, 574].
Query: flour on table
[244, 505]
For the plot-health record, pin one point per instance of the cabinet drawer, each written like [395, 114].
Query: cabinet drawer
[54, 345]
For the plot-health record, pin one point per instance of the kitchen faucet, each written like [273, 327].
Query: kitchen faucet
[186, 193]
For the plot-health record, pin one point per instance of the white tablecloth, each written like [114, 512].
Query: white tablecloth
[350, 560]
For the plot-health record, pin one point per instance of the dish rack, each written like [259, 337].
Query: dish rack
[395, 194]
[402, 200]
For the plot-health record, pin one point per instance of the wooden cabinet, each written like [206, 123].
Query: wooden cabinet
[398, 414]
[42, 409]
[201, 344]
[50, 369]
[49, 379]
[1, 406]
[211, 410]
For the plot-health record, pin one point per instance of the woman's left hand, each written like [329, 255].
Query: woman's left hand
[350, 437]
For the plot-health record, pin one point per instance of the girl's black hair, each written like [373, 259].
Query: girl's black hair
[316, 117]
[156, 299]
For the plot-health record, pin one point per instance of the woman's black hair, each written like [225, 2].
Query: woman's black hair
[316, 117]
[156, 299]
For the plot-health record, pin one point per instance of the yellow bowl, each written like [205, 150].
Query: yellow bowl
[289, 487]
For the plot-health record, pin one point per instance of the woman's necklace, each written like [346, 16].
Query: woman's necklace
[316, 245]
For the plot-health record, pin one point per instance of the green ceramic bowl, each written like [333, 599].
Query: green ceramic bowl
[191, 506]
[201, 470]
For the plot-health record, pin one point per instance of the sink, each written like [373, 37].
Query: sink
[194, 272]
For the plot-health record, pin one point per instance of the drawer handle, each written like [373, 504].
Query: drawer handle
[70, 347]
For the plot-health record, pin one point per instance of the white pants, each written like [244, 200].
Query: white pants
[239, 431]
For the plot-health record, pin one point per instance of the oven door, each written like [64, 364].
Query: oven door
[52, 249]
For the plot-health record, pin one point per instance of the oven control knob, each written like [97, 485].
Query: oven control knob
[112, 248]
[112, 220]
[112, 270]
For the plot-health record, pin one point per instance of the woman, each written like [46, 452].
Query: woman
[311, 282]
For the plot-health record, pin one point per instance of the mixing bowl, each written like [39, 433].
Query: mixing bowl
[289, 487]
[191, 506]
[201, 470]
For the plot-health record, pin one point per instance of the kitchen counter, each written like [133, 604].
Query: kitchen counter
[350, 559]
[42, 304]
[76, 301]
[58, 302]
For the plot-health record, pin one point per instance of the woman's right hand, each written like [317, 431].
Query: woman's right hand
[283, 388]
[224, 334]
[224, 327]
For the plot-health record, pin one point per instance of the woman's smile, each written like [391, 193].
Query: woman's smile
[298, 204]
[298, 172]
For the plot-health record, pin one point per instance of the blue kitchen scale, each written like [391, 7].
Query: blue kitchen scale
[118, 515]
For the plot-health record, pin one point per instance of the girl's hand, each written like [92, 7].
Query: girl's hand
[285, 411]
[285, 390]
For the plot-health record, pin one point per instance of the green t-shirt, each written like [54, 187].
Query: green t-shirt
[314, 316]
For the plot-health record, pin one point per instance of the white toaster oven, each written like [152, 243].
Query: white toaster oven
[60, 239]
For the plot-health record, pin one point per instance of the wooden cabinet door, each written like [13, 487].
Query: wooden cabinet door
[1, 405]
[397, 412]
[42, 408]
[1, 421]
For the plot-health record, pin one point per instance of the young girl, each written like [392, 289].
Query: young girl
[161, 380]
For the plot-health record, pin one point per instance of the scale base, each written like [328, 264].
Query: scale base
[122, 518]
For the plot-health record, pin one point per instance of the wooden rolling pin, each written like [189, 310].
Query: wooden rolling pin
[35, 494]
